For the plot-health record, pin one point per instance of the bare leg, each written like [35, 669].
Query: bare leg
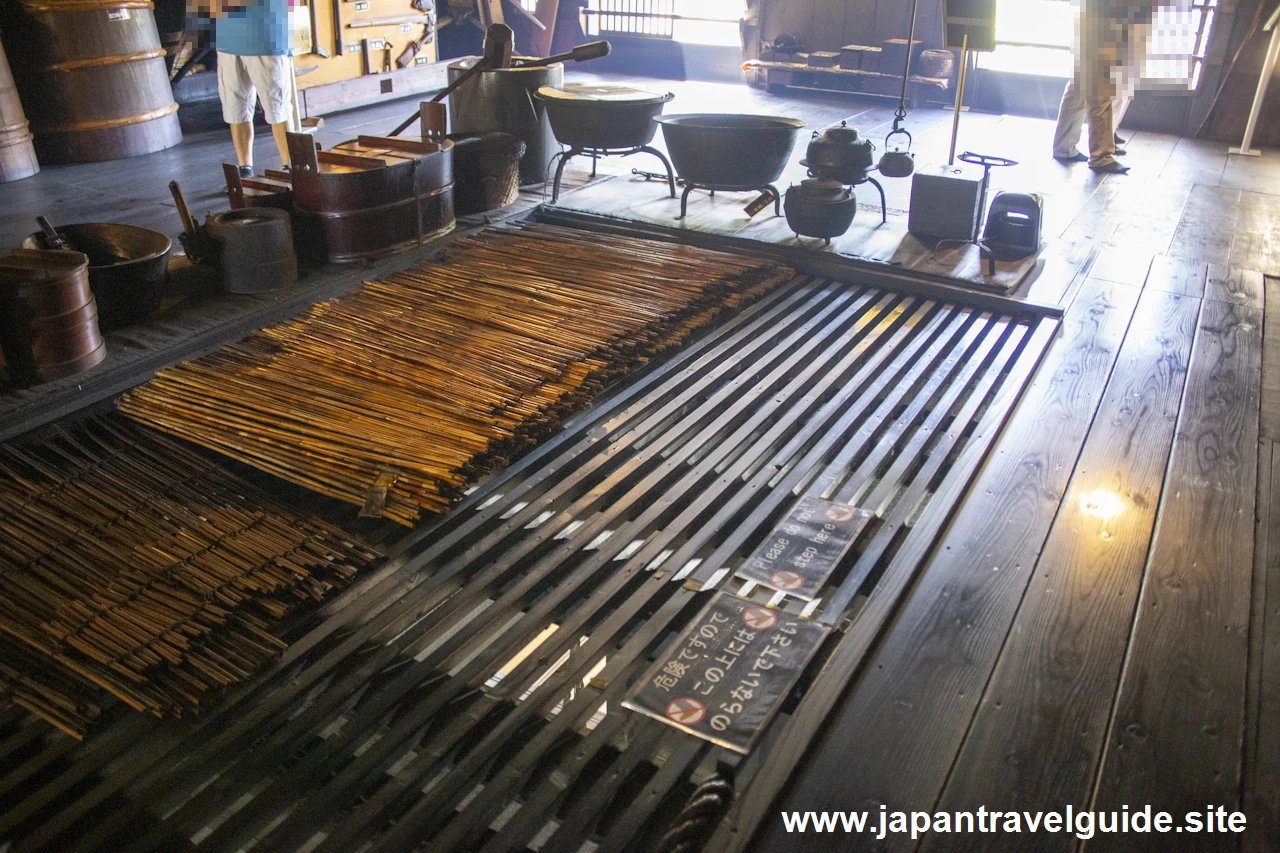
[242, 139]
[282, 144]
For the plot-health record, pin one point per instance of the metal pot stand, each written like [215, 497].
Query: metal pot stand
[884, 208]
[768, 190]
[565, 155]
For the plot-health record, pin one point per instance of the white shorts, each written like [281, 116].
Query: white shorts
[242, 78]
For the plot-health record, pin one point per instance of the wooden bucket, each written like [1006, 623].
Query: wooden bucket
[92, 76]
[370, 196]
[48, 317]
[17, 154]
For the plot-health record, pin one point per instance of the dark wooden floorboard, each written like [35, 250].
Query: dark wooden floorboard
[1091, 220]
[1207, 229]
[1035, 740]
[1257, 241]
[1177, 275]
[1236, 286]
[1122, 265]
[1194, 161]
[1175, 739]
[1256, 174]
[1269, 421]
[1146, 213]
[1150, 151]
[1260, 792]
[1064, 265]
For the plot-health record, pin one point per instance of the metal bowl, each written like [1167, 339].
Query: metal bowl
[729, 151]
[602, 118]
[128, 267]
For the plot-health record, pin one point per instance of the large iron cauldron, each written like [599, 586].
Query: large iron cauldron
[727, 151]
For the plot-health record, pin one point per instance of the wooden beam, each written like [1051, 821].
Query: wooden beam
[540, 40]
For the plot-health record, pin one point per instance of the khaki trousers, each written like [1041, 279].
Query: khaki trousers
[1076, 110]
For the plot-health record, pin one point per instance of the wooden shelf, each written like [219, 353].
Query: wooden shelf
[797, 75]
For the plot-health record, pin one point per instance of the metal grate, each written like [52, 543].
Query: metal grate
[470, 701]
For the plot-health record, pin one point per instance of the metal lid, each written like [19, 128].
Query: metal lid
[821, 189]
[608, 94]
[843, 133]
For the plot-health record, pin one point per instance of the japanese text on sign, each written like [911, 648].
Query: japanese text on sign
[805, 548]
[725, 676]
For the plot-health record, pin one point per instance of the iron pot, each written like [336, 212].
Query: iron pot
[128, 267]
[601, 118]
[729, 151]
[820, 208]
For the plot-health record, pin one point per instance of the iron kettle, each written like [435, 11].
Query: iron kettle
[897, 162]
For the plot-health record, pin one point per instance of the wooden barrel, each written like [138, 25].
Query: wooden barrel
[370, 196]
[91, 74]
[17, 154]
[48, 316]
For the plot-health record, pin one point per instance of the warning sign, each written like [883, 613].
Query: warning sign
[726, 675]
[805, 548]
[759, 618]
[786, 580]
[686, 712]
[840, 512]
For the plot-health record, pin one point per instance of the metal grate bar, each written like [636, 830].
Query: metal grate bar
[391, 730]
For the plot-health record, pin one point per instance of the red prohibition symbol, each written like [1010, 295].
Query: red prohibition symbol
[759, 619]
[839, 513]
[686, 712]
[786, 580]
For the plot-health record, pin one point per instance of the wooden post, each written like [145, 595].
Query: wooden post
[490, 12]
[540, 40]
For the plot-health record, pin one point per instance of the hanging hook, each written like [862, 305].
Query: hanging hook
[900, 114]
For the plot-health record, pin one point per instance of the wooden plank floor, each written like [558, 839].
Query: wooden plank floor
[1100, 624]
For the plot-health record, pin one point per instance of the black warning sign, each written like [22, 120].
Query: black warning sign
[805, 547]
[726, 675]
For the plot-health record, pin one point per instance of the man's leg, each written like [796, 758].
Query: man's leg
[1102, 136]
[1119, 107]
[278, 131]
[242, 140]
[1070, 122]
[272, 79]
[235, 90]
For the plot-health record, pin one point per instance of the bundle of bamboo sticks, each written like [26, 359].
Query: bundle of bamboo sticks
[415, 384]
[134, 565]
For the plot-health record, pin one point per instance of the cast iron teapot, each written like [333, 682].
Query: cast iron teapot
[839, 153]
[897, 162]
[820, 208]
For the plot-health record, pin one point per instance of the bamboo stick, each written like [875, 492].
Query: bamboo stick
[445, 369]
[134, 566]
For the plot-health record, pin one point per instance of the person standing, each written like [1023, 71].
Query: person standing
[1088, 96]
[1137, 25]
[253, 43]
